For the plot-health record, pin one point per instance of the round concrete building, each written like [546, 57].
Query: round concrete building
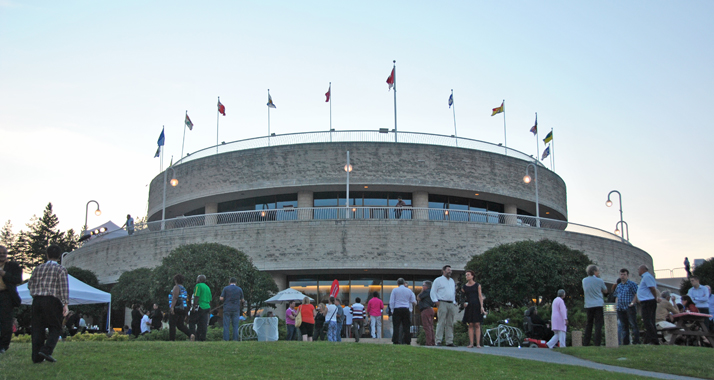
[283, 201]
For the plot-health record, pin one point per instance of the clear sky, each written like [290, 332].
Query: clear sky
[85, 87]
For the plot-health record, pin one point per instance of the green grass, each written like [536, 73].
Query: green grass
[276, 360]
[676, 360]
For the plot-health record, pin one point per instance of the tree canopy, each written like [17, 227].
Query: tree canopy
[705, 272]
[133, 287]
[30, 246]
[515, 274]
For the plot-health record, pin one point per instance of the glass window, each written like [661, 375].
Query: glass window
[306, 286]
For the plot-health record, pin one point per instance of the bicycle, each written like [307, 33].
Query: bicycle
[503, 335]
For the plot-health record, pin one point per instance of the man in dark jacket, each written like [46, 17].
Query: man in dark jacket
[10, 276]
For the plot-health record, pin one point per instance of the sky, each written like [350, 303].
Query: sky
[86, 86]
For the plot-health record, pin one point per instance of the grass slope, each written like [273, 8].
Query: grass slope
[278, 360]
[677, 360]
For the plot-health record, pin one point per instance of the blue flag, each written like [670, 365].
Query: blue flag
[160, 142]
[546, 153]
[451, 100]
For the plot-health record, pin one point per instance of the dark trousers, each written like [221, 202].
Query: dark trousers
[6, 310]
[595, 317]
[649, 309]
[357, 328]
[177, 320]
[319, 333]
[628, 318]
[401, 322]
[202, 324]
[46, 314]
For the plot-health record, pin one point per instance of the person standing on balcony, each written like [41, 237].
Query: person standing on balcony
[398, 211]
[443, 294]
[129, 224]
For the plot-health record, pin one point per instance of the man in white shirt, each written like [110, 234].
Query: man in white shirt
[348, 320]
[443, 294]
[82, 323]
[357, 319]
[145, 323]
[401, 302]
[699, 294]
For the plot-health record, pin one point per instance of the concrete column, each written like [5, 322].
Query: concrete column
[611, 339]
[420, 199]
[510, 209]
[305, 200]
[577, 338]
[211, 208]
[282, 281]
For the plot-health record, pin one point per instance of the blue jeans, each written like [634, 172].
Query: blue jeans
[292, 333]
[231, 318]
[627, 319]
[339, 331]
[333, 332]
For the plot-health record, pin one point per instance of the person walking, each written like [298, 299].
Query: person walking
[375, 308]
[357, 310]
[178, 308]
[10, 276]
[49, 288]
[558, 321]
[401, 302]
[233, 299]
[307, 327]
[443, 294]
[426, 308]
[473, 315]
[594, 288]
[202, 297]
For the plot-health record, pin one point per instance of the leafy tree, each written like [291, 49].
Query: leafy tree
[258, 287]
[31, 245]
[705, 272]
[133, 287]
[517, 273]
[219, 263]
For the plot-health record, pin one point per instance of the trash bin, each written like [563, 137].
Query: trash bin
[266, 329]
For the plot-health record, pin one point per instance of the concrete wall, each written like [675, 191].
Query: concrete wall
[400, 246]
[382, 166]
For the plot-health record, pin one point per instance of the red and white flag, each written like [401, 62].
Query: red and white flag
[392, 79]
[221, 108]
[335, 289]
[327, 94]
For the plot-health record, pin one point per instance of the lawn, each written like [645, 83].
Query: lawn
[278, 360]
[677, 360]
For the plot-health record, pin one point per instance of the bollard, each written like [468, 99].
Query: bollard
[611, 338]
[577, 338]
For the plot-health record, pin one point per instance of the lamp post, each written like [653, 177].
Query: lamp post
[86, 212]
[348, 169]
[622, 224]
[609, 204]
[174, 183]
[527, 179]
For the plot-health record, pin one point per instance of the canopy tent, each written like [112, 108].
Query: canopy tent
[113, 232]
[286, 295]
[79, 294]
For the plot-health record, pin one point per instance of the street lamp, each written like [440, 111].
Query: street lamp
[174, 183]
[86, 212]
[609, 204]
[624, 226]
[527, 179]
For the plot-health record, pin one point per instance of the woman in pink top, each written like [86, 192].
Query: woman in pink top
[374, 310]
[559, 320]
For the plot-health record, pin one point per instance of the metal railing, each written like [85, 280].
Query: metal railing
[355, 136]
[672, 273]
[370, 214]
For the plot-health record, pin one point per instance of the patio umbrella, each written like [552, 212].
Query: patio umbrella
[287, 295]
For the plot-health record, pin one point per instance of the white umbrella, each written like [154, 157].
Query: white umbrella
[287, 295]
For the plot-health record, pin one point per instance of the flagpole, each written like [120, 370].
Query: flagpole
[329, 90]
[395, 99]
[537, 136]
[453, 106]
[268, 118]
[184, 135]
[218, 112]
[552, 158]
[505, 141]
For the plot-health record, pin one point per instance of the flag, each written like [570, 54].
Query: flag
[160, 143]
[158, 152]
[451, 100]
[498, 110]
[221, 108]
[327, 94]
[270, 102]
[189, 124]
[548, 137]
[392, 79]
[335, 288]
[546, 153]
[534, 129]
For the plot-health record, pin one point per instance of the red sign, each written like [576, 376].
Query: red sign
[335, 288]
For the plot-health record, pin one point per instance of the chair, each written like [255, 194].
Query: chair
[532, 330]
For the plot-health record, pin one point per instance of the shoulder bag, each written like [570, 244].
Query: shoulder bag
[298, 318]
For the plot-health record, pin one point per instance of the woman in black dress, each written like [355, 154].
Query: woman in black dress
[473, 315]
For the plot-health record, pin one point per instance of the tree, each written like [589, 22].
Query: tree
[218, 263]
[258, 288]
[705, 272]
[517, 273]
[7, 237]
[31, 245]
[133, 287]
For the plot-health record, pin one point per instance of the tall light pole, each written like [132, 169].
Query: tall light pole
[174, 183]
[348, 169]
[527, 179]
[86, 212]
[609, 204]
[623, 225]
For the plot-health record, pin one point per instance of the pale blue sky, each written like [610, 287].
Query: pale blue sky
[85, 87]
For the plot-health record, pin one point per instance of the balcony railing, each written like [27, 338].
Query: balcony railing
[370, 214]
[355, 136]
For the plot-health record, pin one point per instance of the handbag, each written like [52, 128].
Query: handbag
[326, 326]
[298, 319]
